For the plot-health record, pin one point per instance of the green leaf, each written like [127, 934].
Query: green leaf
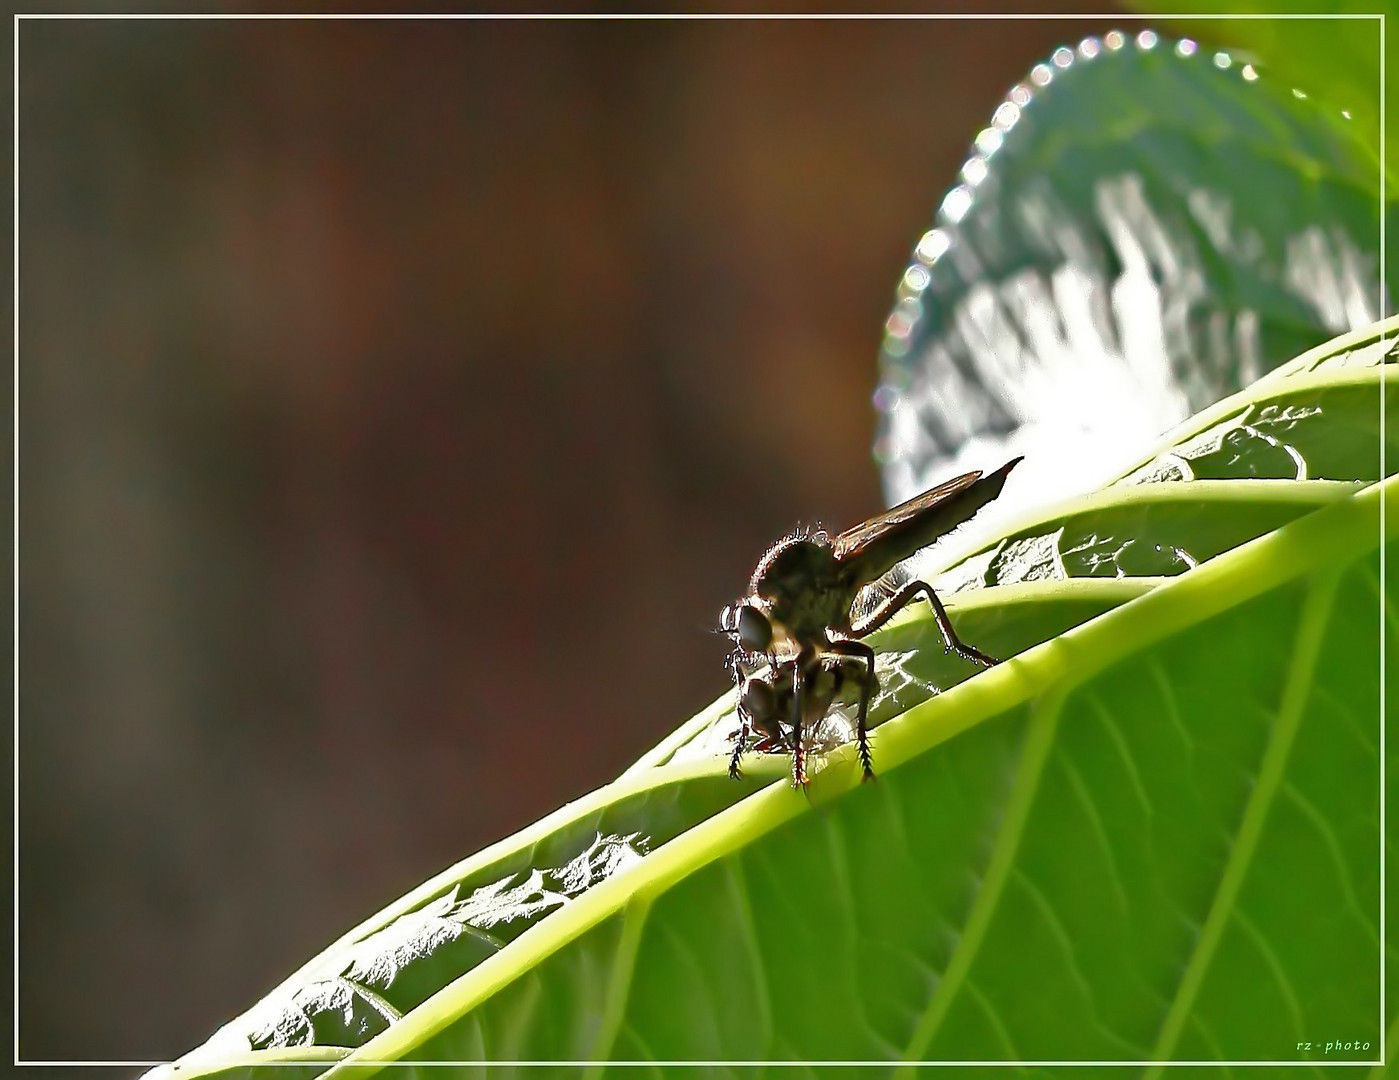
[1146, 226]
[1332, 55]
[1152, 834]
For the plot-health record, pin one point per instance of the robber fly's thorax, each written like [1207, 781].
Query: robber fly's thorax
[803, 587]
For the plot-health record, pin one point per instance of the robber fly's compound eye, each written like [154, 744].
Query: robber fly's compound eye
[758, 701]
[752, 627]
[748, 626]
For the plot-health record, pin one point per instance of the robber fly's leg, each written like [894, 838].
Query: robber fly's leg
[860, 651]
[798, 707]
[739, 747]
[734, 663]
[886, 611]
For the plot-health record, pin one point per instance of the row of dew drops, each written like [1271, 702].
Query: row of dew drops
[957, 202]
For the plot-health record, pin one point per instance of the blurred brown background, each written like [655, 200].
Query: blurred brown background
[400, 401]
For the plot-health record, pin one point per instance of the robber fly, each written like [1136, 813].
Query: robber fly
[798, 616]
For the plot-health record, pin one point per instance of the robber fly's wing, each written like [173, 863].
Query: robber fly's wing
[878, 592]
[871, 549]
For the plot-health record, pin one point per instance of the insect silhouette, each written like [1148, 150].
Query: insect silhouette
[765, 696]
[795, 633]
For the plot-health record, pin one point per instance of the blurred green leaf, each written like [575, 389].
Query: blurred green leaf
[1334, 55]
[1151, 835]
[1155, 220]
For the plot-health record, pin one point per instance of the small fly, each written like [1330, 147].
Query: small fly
[766, 697]
[798, 615]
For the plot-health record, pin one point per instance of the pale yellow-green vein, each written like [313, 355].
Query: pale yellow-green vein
[619, 982]
[1310, 633]
[1114, 733]
[752, 939]
[1061, 936]
[993, 1017]
[1039, 740]
[1100, 831]
[1333, 847]
[1270, 958]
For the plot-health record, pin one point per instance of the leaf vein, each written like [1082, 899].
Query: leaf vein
[1066, 946]
[1039, 739]
[1294, 1007]
[1311, 629]
[752, 940]
[1333, 845]
[1115, 734]
[1099, 830]
[993, 1017]
[619, 983]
